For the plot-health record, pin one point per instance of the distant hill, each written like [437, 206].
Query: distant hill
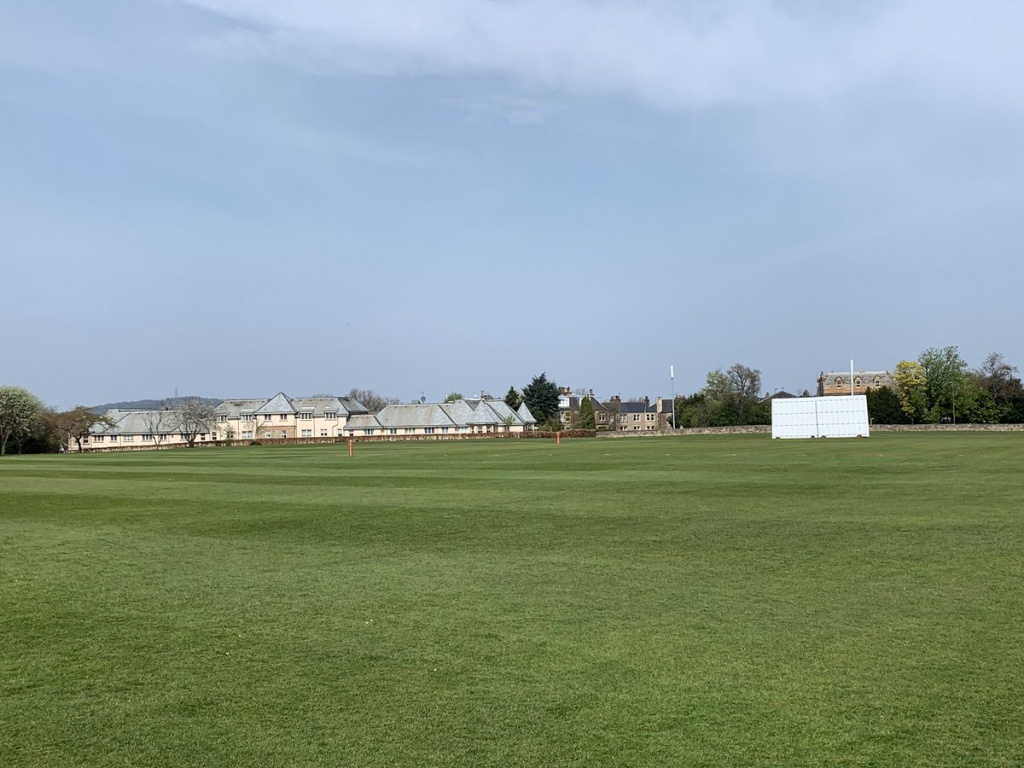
[151, 405]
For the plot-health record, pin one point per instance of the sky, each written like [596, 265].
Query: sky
[231, 198]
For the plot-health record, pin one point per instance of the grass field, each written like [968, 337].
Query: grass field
[712, 601]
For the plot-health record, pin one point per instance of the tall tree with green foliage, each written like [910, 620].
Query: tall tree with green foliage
[541, 397]
[911, 389]
[21, 414]
[586, 415]
[513, 399]
[884, 407]
[451, 397]
[944, 372]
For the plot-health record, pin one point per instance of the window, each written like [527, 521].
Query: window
[330, 414]
[839, 382]
[306, 415]
[213, 435]
[323, 433]
[307, 433]
[636, 417]
[266, 417]
[129, 438]
[283, 417]
[878, 381]
[622, 418]
[367, 431]
[147, 438]
[410, 430]
[248, 417]
[283, 433]
[392, 431]
[428, 430]
[247, 434]
[650, 417]
[444, 430]
[268, 433]
[857, 382]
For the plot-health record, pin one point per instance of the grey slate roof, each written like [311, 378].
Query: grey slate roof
[414, 415]
[150, 422]
[232, 409]
[279, 403]
[363, 421]
[525, 415]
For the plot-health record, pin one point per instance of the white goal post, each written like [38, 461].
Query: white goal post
[841, 416]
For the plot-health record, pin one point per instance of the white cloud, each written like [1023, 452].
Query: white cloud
[673, 55]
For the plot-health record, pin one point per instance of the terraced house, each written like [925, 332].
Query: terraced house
[462, 417]
[283, 417]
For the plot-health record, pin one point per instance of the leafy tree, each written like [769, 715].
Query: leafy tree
[21, 414]
[586, 414]
[76, 423]
[911, 389]
[998, 379]
[944, 372]
[513, 399]
[451, 397]
[730, 398]
[541, 397]
[884, 407]
[194, 418]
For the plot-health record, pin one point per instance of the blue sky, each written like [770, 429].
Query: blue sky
[236, 197]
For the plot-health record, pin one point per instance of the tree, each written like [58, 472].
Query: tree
[373, 401]
[158, 421]
[586, 415]
[911, 389]
[730, 398]
[884, 407]
[451, 397]
[944, 372]
[997, 377]
[194, 418]
[21, 414]
[513, 399]
[77, 423]
[541, 397]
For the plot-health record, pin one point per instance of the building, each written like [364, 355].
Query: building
[638, 415]
[838, 382]
[279, 417]
[462, 417]
[283, 417]
[156, 428]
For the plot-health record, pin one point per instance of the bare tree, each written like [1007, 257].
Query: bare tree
[77, 423]
[194, 418]
[373, 401]
[158, 421]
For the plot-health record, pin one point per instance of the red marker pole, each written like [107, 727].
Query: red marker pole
[558, 438]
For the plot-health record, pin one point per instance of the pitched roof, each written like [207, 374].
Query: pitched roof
[232, 409]
[279, 403]
[414, 415]
[524, 413]
[363, 421]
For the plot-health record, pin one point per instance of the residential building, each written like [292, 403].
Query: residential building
[283, 417]
[462, 417]
[838, 382]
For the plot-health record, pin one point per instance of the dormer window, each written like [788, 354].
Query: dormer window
[839, 382]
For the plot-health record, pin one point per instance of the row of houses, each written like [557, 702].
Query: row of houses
[282, 417]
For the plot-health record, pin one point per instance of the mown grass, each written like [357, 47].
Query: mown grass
[709, 601]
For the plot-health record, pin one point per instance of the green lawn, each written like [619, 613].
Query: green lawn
[707, 601]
